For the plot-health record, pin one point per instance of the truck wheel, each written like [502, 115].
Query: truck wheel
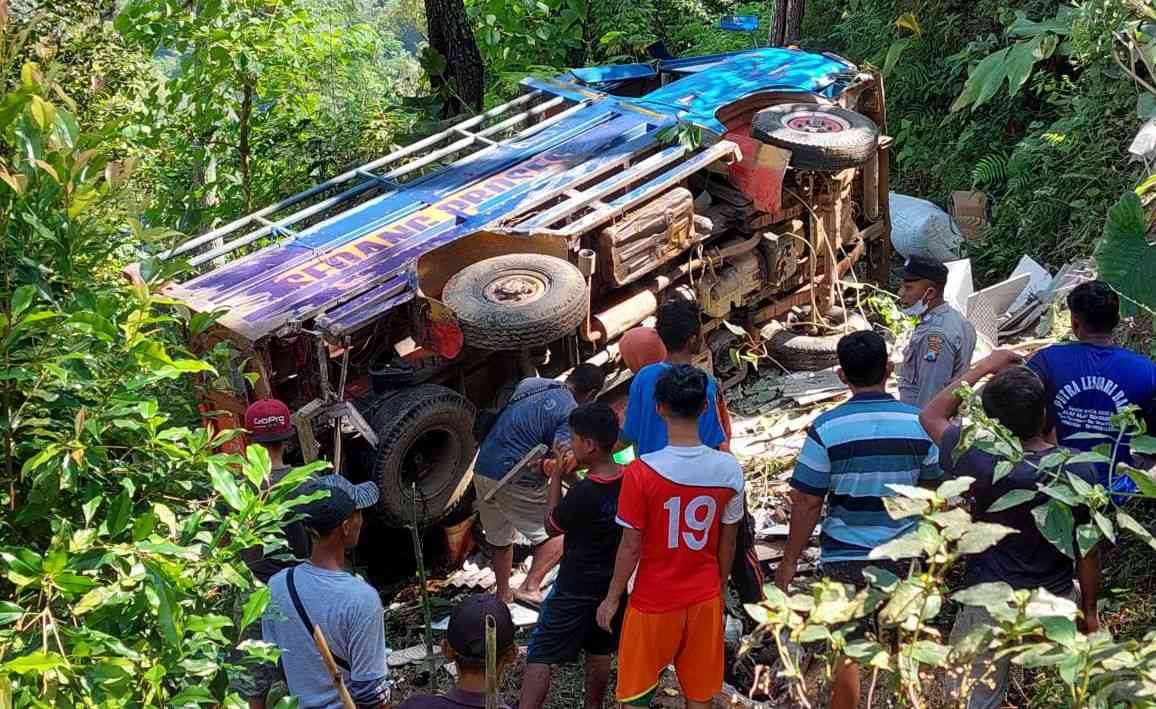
[425, 435]
[809, 353]
[825, 138]
[517, 301]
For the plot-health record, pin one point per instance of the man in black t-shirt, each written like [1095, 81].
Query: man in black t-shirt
[586, 516]
[1025, 560]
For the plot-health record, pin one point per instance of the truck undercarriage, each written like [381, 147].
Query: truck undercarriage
[389, 303]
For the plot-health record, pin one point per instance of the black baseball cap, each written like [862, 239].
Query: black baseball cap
[467, 630]
[920, 267]
[326, 513]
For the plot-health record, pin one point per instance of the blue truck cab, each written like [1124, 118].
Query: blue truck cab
[388, 303]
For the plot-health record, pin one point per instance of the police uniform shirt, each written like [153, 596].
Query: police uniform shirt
[940, 350]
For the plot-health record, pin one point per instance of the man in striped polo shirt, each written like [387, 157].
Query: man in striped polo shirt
[850, 456]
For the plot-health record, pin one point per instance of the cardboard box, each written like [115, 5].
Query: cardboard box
[969, 209]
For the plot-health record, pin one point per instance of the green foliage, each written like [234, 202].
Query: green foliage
[120, 559]
[259, 98]
[1125, 258]
[1033, 628]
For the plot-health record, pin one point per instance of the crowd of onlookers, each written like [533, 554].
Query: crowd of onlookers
[643, 509]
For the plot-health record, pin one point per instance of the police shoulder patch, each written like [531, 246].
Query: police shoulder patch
[934, 345]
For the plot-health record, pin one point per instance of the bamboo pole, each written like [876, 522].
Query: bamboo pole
[327, 658]
[427, 611]
[491, 663]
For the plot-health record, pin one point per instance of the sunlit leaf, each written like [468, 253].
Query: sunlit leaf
[981, 536]
[1056, 523]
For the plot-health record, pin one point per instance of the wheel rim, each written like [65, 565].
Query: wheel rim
[520, 287]
[816, 122]
[434, 449]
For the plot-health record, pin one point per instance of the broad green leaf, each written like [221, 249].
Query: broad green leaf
[1061, 24]
[814, 633]
[894, 52]
[94, 599]
[144, 525]
[983, 82]
[1044, 604]
[905, 547]
[1089, 457]
[1105, 526]
[1060, 630]
[165, 515]
[1011, 499]
[1001, 471]
[225, 485]
[758, 613]
[981, 536]
[254, 607]
[1081, 486]
[903, 507]
[1126, 521]
[193, 695]
[33, 662]
[119, 513]
[1087, 536]
[1124, 257]
[1022, 56]
[1142, 478]
[1055, 522]
[1144, 445]
[9, 613]
[168, 609]
[954, 487]
[929, 652]
[912, 491]
[258, 459]
[21, 298]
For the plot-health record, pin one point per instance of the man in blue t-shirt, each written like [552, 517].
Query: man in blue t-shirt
[1089, 381]
[678, 326]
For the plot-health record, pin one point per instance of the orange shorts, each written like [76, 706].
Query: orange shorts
[690, 638]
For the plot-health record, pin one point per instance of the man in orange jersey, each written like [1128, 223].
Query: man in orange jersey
[680, 508]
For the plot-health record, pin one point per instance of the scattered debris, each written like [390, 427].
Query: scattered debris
[410, 655]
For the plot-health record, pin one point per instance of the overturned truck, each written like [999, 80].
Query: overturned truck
[389, 303]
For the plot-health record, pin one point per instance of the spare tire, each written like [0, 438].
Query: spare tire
[809, 353]
[825, 138]
[517, 301]
[425, 436]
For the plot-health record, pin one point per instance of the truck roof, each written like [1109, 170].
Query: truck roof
[353, 266]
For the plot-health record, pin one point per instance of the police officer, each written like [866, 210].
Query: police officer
[941, 348]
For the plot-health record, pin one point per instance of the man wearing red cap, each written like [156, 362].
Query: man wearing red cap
[270, 425]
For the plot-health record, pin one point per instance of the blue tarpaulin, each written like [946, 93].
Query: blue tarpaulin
[614, 72]
[739, 23]
[696, 98]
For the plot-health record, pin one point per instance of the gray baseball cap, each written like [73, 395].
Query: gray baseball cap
[344, 497]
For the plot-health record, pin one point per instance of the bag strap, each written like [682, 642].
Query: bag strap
[304, 615]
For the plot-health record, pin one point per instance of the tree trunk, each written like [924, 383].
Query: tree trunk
[794, 22]
[778, 23]
[786, 22]
[451, 36]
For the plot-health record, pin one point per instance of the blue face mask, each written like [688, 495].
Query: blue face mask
[916, 310]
